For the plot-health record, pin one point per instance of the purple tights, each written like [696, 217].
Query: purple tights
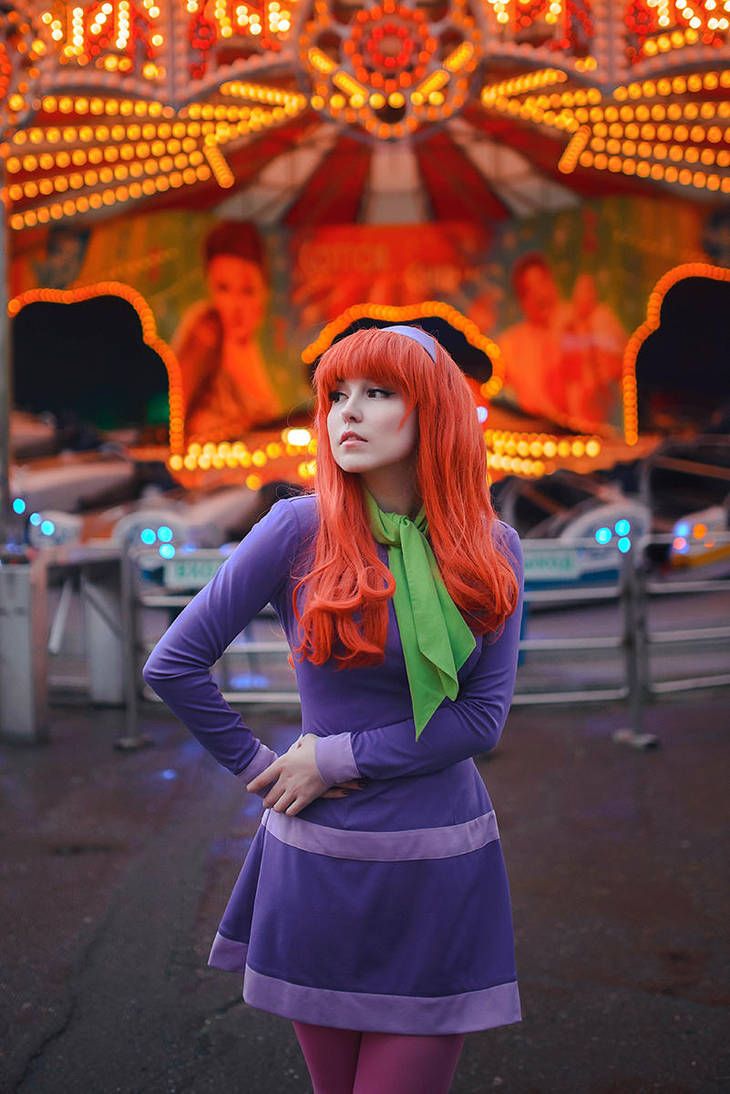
[346, 1061]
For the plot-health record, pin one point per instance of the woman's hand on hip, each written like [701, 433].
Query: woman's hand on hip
[339, 790]
[296, 779]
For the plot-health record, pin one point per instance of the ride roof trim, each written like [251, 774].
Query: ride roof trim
[109, 101]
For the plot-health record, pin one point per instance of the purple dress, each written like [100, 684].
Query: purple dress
[388, 909]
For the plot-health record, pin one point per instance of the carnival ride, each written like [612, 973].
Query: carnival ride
[109, 102]
[323, 112]
[686, 482]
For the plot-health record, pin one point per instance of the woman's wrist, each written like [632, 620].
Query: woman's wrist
[334, 759]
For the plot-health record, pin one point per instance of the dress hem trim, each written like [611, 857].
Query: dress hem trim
[463, 1013]
[466, 1012]
[227, 954]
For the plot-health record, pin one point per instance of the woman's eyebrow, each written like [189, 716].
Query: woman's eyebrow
[367, 380]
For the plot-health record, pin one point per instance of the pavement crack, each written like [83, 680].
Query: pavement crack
[220, 1012]
[49, 1039]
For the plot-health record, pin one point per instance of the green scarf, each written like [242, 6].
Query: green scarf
[435, 637]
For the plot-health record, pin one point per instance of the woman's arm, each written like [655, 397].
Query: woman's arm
[178, 668]
[462, 727]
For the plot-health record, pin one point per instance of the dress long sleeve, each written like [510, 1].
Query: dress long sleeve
[178, 668]
[461, 728]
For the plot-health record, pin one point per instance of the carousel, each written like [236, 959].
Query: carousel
[336, 124]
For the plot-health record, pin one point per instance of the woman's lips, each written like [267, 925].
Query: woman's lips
[353, 440]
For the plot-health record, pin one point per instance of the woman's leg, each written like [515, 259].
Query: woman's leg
[331, 1056]
[397, 1063]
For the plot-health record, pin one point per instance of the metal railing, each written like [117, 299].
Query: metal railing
[632, 584]
[171, 591]
[612, 583]
[653, 586]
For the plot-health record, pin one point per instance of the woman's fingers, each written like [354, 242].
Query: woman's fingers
[275, 794]
[281, 800]
[287, 798]
[341, 790]
[265, 777]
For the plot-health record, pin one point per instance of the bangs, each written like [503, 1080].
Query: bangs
[378, 355]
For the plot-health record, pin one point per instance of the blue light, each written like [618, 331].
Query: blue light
[482, 414]
[147, 536]
[167, 550]
[622, 527]
[247, 680]
[48, 527]
[164, 534]
[18, 506]
[168, 774]
[35, 519]
[682, 529]
[603, 535]
[624, 545]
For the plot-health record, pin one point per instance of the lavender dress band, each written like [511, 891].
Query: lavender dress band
[470, 1010]
[227, 954]
[263, 758]
[399, 846]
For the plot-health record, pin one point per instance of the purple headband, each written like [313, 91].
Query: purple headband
[420, 336]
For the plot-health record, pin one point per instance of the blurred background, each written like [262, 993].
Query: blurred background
[199, 197]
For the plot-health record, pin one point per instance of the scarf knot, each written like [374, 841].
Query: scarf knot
[436, 639]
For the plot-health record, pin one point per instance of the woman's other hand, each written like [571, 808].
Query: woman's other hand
[296, 780]
[339, 790]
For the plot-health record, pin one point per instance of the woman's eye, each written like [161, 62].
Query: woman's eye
[334, 395]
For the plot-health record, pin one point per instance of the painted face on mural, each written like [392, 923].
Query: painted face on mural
[538, 294]
[585, 296]
[374, 413]
[238, 292]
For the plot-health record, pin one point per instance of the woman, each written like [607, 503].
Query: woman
[227, 388]
[377, 919]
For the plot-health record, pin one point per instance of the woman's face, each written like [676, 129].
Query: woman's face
[238, 292]
[373, 412]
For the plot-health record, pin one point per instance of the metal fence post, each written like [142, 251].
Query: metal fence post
[634, 644]
[101, 593]
[129, 646]
[23, 651]
[639, 580]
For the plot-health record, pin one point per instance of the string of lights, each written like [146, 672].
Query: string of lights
[632, 131]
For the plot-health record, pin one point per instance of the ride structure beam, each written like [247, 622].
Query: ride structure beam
[6, 366]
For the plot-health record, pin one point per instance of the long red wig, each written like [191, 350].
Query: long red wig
[345, 611]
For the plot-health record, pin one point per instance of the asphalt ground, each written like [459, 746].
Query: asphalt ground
[116, 867]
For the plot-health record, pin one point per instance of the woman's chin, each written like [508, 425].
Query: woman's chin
[353, 463]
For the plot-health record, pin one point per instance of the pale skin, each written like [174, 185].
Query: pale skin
[386, 460]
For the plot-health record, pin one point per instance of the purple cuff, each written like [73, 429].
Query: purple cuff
[263, 758]
[334, 759]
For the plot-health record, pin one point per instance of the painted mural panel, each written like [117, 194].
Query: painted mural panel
[560, 294]
[216, 289]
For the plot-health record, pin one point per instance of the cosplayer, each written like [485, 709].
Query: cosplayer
[373, 907]
[226, 384]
